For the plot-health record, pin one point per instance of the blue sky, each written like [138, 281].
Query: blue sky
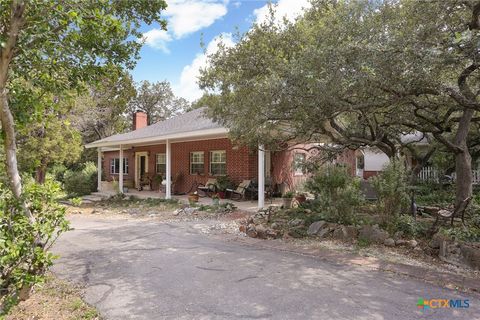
[175, 55]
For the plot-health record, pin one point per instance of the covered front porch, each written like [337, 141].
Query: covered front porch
[176, 164]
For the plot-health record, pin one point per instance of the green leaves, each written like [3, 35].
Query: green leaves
[23, 255]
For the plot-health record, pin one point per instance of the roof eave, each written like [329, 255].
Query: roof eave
[181, 135]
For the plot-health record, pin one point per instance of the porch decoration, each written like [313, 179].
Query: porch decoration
[193, 197]
[287, 199]
[223, 183]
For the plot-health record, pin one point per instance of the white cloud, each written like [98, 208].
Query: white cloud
[183, 18]
[289, 9]
[188, 16]
[188, 87]
[157, 38]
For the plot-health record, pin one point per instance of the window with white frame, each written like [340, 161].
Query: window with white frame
[298, 163]
[161, 163]
[115, 166]
[197, 162]
[218, 162]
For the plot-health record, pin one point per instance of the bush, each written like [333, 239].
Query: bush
[337, 194]
[471, 234]
[409, 227]
[23, 245]
[392, 190]
[434, 194]
[83, 182]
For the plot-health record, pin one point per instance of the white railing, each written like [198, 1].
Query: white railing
[431, 174]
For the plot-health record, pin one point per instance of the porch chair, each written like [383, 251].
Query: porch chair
[209, 188]
[239, 192]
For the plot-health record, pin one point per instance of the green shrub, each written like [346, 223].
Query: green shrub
[433, 194]
[58, 172]
[337, 194]
[23, 245]
[471, 234]
[83, 182]
[392, 190]
[409, 227]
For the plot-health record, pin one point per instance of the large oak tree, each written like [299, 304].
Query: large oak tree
[357, 73]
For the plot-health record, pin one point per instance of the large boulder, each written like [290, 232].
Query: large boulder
[372, 234]
[316, 227]
[389, 242]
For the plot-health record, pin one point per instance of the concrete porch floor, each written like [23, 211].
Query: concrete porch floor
[246, 205]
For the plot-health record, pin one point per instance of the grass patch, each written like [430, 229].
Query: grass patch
[54, 299]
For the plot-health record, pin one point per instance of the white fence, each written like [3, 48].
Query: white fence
[432, 174]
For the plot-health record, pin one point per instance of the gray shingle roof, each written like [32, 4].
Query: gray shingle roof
[191, 121]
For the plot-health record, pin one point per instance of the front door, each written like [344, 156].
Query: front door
[141, 165]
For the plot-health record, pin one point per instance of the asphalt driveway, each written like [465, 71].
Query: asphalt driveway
[135, 269]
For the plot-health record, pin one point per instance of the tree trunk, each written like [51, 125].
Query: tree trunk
[463, 162]
[40, 174]
[9, 144]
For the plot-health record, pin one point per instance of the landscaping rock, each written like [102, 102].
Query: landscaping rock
[251, 231]
[325, 232]
[436, 241]
[460, 253]
[389, 242]
[296, 222]
[350, 233]
[412, 243]
[373, 234]
[315, 227]
[275, 225]
[177, 212]
[345, 233]
[242, 228]
[261, 231]
[400, 242]
[190, 210]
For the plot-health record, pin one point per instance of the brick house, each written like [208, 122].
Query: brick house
[189, 149]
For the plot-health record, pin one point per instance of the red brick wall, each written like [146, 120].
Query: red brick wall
[241, 163]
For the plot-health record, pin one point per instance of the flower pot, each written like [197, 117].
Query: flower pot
[301, 198]
[287, 203]
[193, 198]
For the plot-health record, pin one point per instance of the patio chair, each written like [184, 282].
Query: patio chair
[209, 188]
[239, 192]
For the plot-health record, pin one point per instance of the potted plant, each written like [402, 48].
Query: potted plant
[157, 179]
[301, 197]
[216, 199]
[223, 183]
[287, 199]
[193, 197]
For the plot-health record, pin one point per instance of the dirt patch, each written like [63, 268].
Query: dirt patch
[155, 210]
[54, 299]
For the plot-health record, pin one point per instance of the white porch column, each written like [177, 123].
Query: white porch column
[168, 187]
[261, 176]
[99, 169]
[120, 171]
